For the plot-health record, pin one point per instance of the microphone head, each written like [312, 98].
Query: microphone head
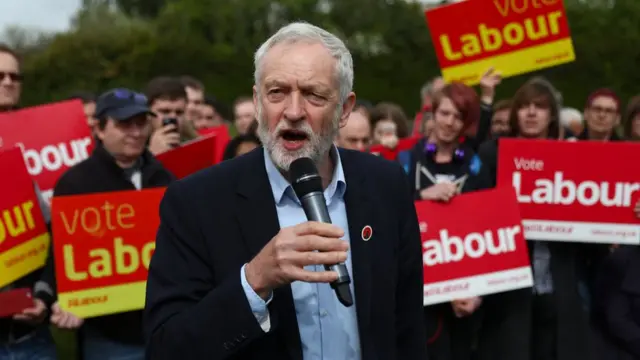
[304, 177]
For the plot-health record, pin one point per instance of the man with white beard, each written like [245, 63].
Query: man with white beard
[238, 271]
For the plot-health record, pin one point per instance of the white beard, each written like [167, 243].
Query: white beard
[316, 147]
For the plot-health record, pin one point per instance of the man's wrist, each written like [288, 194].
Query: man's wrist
[253, 279]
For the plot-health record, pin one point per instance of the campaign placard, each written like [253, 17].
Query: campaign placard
[221, 134]
[52, 137]
[473, 246]
[103, 246]
[513, 36]
[581, 191]
[190, 157]
[24, 240]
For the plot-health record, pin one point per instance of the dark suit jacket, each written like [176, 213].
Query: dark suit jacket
[217, 220]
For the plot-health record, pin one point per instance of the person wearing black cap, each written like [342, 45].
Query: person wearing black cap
[119, 162]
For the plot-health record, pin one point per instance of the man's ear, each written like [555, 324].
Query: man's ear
[255, 97]
[347, 108]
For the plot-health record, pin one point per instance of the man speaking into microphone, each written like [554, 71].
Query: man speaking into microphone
[239, 271]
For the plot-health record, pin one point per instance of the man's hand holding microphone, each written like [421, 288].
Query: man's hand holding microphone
[316, 242]
[283, 259]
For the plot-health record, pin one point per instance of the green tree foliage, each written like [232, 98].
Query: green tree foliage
[105, 49]
[127, 44]
[142, 8]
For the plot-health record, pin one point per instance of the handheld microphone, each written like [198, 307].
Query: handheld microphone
[307, 184]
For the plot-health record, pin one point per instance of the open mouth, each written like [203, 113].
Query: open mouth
[293, 139]
[293, 135]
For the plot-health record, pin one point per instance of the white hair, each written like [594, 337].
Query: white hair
[305, 32]
[570, 115]
[427, 89]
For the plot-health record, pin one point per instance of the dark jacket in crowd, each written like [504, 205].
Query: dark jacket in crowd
[484, 128]
[511, 317]
[448, 337]
[584, 135]
[11, 330]
[470, 165]
[617, 305]
[100, 173]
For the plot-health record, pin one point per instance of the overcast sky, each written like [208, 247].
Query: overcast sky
[46, 14]
[43, 14]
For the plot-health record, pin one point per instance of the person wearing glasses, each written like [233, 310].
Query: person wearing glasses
[24, 335]
[10, 79]
[602, 115]
[119, 162]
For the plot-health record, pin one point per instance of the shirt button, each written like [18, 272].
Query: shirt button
[323, 313]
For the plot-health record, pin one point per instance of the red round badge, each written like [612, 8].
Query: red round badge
[366, 233]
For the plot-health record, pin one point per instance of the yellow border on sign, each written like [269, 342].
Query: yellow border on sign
[514, 63]
[27, 265]
[105, 300]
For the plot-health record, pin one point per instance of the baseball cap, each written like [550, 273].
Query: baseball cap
[121, 104]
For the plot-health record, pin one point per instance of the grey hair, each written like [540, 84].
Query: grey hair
[427, 88]
[569, 115]
[305, 32]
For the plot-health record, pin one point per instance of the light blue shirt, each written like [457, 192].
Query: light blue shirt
[328, 329]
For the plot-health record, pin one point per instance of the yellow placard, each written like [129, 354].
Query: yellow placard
[515, 63]
[104, 301]
[512, 36]
[23, 259]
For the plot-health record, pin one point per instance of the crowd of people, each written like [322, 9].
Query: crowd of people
[585, 300]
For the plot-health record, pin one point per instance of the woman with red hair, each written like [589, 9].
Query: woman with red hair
[441, 167]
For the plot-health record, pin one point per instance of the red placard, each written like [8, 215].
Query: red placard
[472, 246]
[103, 246]
[190, 157]
[392, 154]
[24, 240]
[53, 137]
[15, 301]
[514, 36]
[221, 134]
[573, 191]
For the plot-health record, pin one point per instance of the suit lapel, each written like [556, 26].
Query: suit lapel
[359, 215]
[258, 219]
